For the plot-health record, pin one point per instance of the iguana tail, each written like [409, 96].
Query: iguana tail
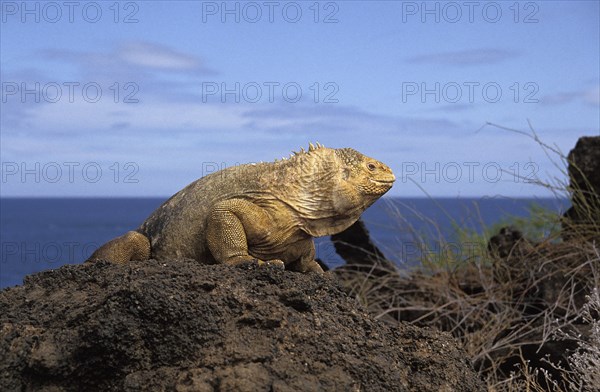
[130, 246]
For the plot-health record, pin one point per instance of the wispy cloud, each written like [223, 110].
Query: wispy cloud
[148, 72]
[466, 57]
[590, 96]
[341, 119]
[130, 59]
[156, 56]
[453, 108]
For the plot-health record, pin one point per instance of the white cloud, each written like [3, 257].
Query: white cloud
[157, 56]
[130, 59]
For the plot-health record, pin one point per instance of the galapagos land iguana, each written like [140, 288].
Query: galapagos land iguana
[265, 213]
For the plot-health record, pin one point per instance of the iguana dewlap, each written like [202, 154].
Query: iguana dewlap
[265, 212]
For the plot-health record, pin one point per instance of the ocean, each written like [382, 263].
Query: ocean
[38, 234]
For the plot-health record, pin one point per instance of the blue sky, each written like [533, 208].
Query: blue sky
[409, 83]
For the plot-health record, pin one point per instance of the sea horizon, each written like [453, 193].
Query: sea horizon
[41, 233]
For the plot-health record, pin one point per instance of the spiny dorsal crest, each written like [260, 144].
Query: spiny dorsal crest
[349, 156]
[311, 148]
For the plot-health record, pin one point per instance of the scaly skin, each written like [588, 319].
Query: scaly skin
[266, 213]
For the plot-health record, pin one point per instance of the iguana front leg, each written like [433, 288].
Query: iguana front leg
[306, 262]
[231, 223]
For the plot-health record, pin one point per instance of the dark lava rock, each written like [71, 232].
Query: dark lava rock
[583, 218]
[509, 241]
[184, 326]
[355, 246]
[584, 164]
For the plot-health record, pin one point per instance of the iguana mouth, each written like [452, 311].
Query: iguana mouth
[382, 181]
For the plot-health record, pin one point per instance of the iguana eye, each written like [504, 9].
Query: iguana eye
[371, 166]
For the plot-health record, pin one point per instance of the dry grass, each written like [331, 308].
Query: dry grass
[529, 320]
[507, 319]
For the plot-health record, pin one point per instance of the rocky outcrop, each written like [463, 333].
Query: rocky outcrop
[360, 253]
[582, 220]
[509, 242]
[184, 326]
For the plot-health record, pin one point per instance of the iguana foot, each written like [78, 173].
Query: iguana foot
[307, 266]
[278, 264]
[312, 266]
[130, 246]
[245, 262]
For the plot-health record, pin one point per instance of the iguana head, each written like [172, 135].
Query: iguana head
[330, 188]
[365, 178]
